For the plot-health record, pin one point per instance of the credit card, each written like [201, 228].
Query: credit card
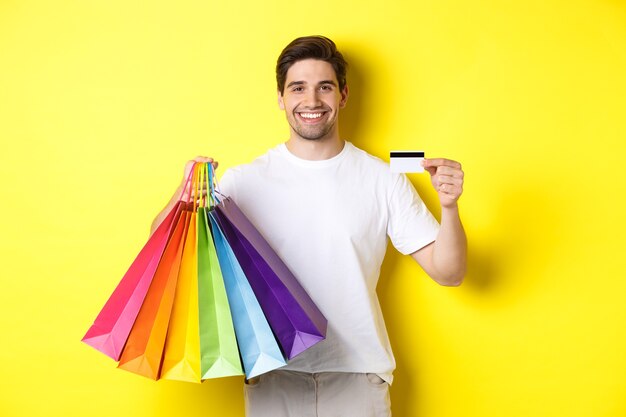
[406, 161]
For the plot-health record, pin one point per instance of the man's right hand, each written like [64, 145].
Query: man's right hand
[182, 193]
[182, 190]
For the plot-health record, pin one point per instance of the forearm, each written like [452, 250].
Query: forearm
[163, 213]
[445, 260]
[449, 255]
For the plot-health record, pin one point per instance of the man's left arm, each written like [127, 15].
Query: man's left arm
[445, 259]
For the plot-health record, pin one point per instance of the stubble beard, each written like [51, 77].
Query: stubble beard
[311, 132]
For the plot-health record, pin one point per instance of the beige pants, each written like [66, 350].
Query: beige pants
[326, 394]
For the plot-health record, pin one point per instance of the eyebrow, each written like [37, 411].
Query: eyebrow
[304, 82]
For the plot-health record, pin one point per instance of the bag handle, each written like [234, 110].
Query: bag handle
[202, 173]
[204, 186]
[202, 178]
[208, 174]
[188, 185]
[215, 188]
[197, 185]
[213, 185]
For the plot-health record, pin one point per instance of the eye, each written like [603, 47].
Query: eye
[297, 89]
[326, 87]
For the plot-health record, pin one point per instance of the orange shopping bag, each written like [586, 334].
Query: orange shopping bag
[181, 358]
[144, 349]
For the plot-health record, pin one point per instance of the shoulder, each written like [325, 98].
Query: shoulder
[375, 174]
[238, 175]
[360, 156]
[258, 164]
[371, 167]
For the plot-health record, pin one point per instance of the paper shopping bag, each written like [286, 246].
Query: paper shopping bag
[294, 318]
[181, 357]
[219, 354]
[111, 328]
[258, 347]
[144, 348]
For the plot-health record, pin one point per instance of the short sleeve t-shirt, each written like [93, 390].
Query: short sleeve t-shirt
[329, 221]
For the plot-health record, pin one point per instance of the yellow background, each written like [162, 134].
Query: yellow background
[102, 102]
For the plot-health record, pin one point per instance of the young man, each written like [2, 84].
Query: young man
[327, 208]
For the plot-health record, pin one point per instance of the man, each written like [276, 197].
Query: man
[327, 208]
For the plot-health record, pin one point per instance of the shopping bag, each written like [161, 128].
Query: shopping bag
[219, 355]
[218, 345]
[181, 357]
[295, 320]
[258, 348]
[144, 348]
[111, 328]
[205, 295]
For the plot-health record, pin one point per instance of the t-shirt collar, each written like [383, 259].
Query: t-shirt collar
[282, 148]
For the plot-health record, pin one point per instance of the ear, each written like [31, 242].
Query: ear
[344, 97]
[281, 103]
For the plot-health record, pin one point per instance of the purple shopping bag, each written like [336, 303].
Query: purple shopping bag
[296, 321]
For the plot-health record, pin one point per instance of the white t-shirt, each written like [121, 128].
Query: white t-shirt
[329, 221]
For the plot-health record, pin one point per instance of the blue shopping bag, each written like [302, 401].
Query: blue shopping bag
[258, 347]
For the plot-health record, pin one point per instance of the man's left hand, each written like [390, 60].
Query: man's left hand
[447, 178]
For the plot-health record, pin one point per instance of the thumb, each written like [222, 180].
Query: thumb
[432, 170]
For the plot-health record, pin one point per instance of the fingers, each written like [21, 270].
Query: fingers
[448, 184]
[199, 159]
[203, 159]
[443, 167]
[450, 189]
[447, 178]
[452, 172]
[186, 181]
[440, 162]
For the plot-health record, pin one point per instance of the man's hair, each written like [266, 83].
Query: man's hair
[310, 47]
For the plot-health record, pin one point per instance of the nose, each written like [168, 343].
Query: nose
[312, 99]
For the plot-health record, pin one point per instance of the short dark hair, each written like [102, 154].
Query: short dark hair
[310, 47]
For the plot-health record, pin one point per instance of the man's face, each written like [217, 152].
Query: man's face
[312, 99]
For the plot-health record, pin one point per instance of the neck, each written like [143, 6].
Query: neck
[315, 150]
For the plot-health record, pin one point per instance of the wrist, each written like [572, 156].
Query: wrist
[450, 208]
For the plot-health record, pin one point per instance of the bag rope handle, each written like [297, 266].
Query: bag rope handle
[187, 185]
[201, 174]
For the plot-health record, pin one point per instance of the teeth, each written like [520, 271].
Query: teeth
[311, 115]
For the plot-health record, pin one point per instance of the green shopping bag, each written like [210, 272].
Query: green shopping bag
[219, 353]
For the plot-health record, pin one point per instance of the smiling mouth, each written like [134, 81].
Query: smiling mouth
[311, 117]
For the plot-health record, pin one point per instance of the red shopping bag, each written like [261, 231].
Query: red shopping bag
[144, 349]
[110, 330]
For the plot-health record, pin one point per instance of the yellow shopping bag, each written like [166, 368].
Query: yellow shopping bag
[181, 357]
